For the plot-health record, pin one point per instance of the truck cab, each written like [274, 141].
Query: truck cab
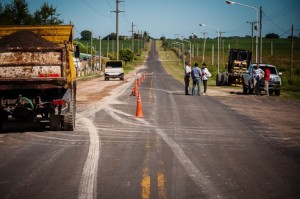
[114, 69]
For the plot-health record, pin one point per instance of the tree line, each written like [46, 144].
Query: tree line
[17, 13]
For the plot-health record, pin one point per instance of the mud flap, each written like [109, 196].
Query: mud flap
[55, 122]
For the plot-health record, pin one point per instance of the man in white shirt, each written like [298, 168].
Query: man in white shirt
[257, 74]
[205, 75]
[187, 76]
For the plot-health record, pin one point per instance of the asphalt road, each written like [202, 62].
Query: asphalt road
[183, 147]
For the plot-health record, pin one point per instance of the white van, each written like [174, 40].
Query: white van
[114, 69]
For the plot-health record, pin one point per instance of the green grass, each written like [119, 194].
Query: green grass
[173, 66]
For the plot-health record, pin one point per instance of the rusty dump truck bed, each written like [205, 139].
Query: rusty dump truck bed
[37, 76]
[36, 57]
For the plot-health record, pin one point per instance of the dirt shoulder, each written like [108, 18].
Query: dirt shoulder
[94, 89]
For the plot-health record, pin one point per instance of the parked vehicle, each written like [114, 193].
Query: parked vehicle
[274, 83]
[114, 69]
[37, 75]
[238, 62]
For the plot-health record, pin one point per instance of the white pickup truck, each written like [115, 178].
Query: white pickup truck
[114, 69]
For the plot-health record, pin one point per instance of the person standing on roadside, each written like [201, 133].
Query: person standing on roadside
[205, 75]
[187, 75]
[196, 75]
[257, 74]
[267, 79]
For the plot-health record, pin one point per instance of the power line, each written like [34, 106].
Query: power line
[92, 8]
[294, 6]
[109, 4]
[273, 22]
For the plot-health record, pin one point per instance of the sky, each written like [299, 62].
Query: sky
[176, 18]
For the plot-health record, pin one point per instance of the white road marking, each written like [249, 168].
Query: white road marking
[88, 183]
[198, 177]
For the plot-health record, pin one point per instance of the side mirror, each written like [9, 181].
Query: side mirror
[280, 73]
[77, 51]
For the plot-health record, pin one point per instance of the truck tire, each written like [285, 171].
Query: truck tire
[69, 118]
[277, 92]
[55, 122]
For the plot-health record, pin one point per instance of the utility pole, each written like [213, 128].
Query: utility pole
[252, 25]
[100, 58]
[138, 42]
[292, 51]
[92, 50]
[220, 40]
[260, 31]
[107, 47]
[203, 50]
[117, 11]
[132, 35]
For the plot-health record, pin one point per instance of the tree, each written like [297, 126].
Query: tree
[86, 35]
[111, 36]
[16, 13]
[47, 15]
[272, 36]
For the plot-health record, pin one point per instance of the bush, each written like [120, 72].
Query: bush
[126, 55]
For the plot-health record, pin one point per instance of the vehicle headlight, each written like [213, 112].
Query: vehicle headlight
[277, 79]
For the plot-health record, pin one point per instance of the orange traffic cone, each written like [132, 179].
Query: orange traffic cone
[139, 109]
[135, 89]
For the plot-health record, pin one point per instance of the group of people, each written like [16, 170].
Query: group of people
[197, 75]
[260, 75]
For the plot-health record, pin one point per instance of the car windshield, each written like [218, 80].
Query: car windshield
[112, 64]
[272, 69]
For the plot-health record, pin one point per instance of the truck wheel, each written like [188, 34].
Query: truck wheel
[69, 118]
[277, 92]
[55, 122]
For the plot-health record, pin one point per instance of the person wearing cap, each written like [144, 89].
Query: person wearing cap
[205, 75]
[196, 75]
[187, 75]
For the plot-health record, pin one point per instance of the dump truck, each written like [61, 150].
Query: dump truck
[37, 75]
[238, 62]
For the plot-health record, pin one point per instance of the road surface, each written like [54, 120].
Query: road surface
[182, 147]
